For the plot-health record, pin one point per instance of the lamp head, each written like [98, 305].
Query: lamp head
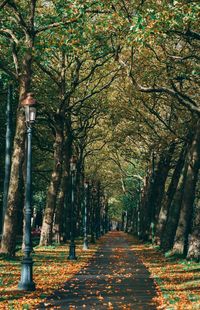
[29, 107]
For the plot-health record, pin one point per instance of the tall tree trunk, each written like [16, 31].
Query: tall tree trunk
[167, 200]
[60, 208]
[185, 220]
[169, 231]
[24, 74]
[161, 175]
[47, 223]
[145, 215]
[7, 149]
[156, 189]
[8, 242]
[194, 237]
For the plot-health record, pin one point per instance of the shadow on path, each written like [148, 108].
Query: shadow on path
[114, 279]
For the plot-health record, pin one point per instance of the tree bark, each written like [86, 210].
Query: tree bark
[60, 208]
[160, 180]
[169, 231]
[47, 223]
[185, 220]
[145, 214]
[8, 242]
[167, 200]
[194, 237]
[155, 191]
[24, 75]
[8, 151]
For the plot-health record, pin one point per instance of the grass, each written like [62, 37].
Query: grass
[177, 279]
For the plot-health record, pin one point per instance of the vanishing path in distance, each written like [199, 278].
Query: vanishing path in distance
[114, 279]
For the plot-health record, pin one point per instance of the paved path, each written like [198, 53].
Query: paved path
[114, 279]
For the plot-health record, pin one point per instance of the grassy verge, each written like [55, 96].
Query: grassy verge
[51, 270]
[177, 279]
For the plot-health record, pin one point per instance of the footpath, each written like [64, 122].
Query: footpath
[114, 279]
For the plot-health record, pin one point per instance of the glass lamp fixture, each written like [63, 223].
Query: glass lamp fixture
[29, 106]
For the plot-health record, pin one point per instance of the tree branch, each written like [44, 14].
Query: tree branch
[183, 99]
[10, 34]
[96, 91]
[4, 67]
[56, 25]
[18, 15]
[3, 4]
[47, 72]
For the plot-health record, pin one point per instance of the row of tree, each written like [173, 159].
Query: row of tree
[117, 87]
[162, 101]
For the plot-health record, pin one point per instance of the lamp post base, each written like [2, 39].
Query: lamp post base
[26, 282]
[72, 252]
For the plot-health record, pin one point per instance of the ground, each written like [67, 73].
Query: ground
[117, 273]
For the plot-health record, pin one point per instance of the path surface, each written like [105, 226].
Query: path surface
[114, 279]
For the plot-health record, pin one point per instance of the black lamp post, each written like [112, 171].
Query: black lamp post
[98, 214]
[72, 245]
[85, 240]
[26, 282]
[93, 217]
[103, 214]
[106, 216]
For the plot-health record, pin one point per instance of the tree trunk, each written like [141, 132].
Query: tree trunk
[194, 237]
[169, 231]
[156, 189]
[185, 220]
[160, 180]
[59, 220]
[8, 242]
[7, 149]
[47, 224]
[145, 215]
[169, 195]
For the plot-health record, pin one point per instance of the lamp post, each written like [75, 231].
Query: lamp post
[98, 213]
[106, 216]
[72, 246]
[139, 209]
[26, 282]
[93, 218]
[85, 240]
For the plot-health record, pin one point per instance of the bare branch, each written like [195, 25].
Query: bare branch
[152, 111]
[3, 4]
[15, 58]
[183, 99]
[94, 92]
[10, 34]
[189, 34]
[58, 24]
[47, 72]
[18, 15]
